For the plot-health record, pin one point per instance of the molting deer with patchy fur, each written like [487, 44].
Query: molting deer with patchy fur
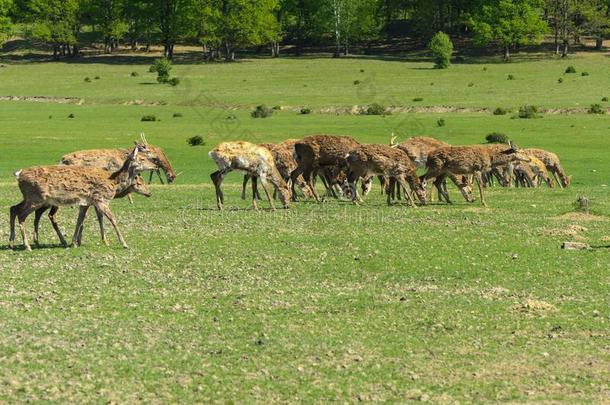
[466, 160]
[324, 154]
[252, 159]
[69, 186]
[531, 174]
[380, 160]
[418, 148]
[553, 165]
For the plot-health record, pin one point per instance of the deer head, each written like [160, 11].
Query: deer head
[512, 154]
[393, 143]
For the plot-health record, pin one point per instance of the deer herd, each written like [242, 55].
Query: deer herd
[95, 177]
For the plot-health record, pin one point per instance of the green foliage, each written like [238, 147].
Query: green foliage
[174, 81]
[528, 111]
[418, 99]
[570, 69]
[441, 48]
[584, 74]
[195, 141]
[500, 111]
[440, 122]
[376, 109]
[177, 115]
[87, 79]
[71, 115]
[162, 67]
[596, 109]
[5, 21]
[54, 21]
[356, 82]
[560, 80]
[135, 74]
[510, 77]
[508, 22]
[149, 118]
[305, 111]
[496, 137]
[604, 99]
[262, 111]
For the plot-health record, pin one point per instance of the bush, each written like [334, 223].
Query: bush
[149, 118]
[361, 70]
[305, 111]
[162, 67]
[135, 74]
[604, 99]
[96, 78]
[470, 84]
[87, 79]
[356, 82]
[195, 141]
[510, 77]
[441, 48]
[276, 108]
[496, 137]
[528, 111]
[261, 111]
[71, 115]
[500, 111]
[584, 74]
[560, 80]
[596, 109]
[570, 69]
[418, 99]
[174, 81]
[440, 122]
[375, 109]
[177, 115]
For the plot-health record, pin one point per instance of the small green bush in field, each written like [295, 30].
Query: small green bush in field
[500, 111]
[596, 109]
[375, 109]
[195, 141]
[496, 137]
[528, 111]
[262, 111]
[441, 48]
[570, 69]
[440, 122]
[149, 118]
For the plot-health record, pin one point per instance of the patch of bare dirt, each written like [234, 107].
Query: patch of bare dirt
[580, 216]
[45, 99]
[532, 306]
[572, 230]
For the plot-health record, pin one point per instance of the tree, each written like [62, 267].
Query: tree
[509, 23]
[442, 48]
[175, 19]
[108, 15]
[596, 19]
[5, 21]
[56, 22]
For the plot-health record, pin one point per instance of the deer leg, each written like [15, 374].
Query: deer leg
[461, 186]
[53, 219]
[309, 178]
[159, 175]
[14, 211]
[100, 220]
[217, 178]
[479, 180]
[150, 177]
[441, 189]
[130, 198]
[25, 211]
[254, 192]
[37, 215]
[266, 189]
[105, 209]
[78, 230]
[244, 185]
[294, 175]
[556, 178]
[403, 183]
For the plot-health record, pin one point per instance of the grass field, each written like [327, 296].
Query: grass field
[322, 302]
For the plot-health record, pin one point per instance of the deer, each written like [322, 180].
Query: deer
[470, 160]
[321, 154]
[553, 165]
[418, 148]
[283, 157]
[532, 173]
[72, 185]
[253, 159]
[380, 160]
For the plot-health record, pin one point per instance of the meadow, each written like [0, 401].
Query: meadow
[322, 302]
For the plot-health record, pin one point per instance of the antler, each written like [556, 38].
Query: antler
[143, 137]
[393, 143]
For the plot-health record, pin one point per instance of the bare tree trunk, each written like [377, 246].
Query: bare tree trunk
[506, 52]
[599, 43]
[564, 27]
[337, 12]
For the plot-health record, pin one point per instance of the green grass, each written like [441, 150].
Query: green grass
[322, 302]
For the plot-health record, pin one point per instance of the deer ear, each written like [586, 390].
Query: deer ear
[513, 146]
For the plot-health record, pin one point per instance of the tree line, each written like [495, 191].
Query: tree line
[221, 27]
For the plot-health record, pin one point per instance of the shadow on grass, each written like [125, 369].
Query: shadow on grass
[21, 248]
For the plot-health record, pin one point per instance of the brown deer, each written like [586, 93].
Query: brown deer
[380, 160]
[68, 186]
[531, 174]
[321, 154]
[469, 160]
[553, 165]
[252, 159]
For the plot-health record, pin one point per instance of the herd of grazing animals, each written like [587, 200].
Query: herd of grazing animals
[95, 177]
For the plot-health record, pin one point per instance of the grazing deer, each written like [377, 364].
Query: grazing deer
[68, 186]
[553, 165]
[467, 160]
[380, 160]
[252, 159]
[531, 174]
[321, 154]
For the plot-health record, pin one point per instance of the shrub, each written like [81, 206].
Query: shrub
[276, 108]
[441, 48]
[177, 115]
[510, 77]
[440, 122]
[418, 99]
[71, 115]
[560, 80]
[195, 141]
[361, 70]
[604, 99]
[356, 82]
[584, 74]
[261, 111]
[149, 118]
[174, 81]
[496, 137]
[305, 111]
[528, 111]
[596, 109]
[87, 79]
[570, 69]
[135, 74]
[96, 78]
[484, 68]
[500, 111]
[162, 67]
[470, 84]
[375, 109]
